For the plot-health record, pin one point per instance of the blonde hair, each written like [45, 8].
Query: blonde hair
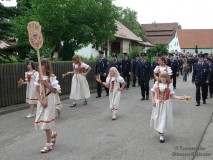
[165, 75]
[117, 74]
[75, 58]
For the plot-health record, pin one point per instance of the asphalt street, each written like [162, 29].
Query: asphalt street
[89, 133]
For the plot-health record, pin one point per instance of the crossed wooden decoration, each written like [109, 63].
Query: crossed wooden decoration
[36, 41]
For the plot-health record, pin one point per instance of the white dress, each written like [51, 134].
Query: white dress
[45, 117]
[30, 77]
[160, 68]
[162, 117]
[114, 94]
[80, 88]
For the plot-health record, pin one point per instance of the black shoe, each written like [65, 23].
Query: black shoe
[204, 101]
[147, 98]
[142, 98]
[174, 87]
[162, 139]
[107, 94]
[98, 97]
[133, 85]
[198, 104]
[73, 105]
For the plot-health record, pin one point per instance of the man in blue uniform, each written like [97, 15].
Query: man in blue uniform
[174, 68]
[134, 64]
[200, 77]
[144, 73]
[115, 63]
[211, 76]
[126, 68]
[101, 69]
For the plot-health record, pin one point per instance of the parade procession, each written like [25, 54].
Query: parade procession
[79, 81]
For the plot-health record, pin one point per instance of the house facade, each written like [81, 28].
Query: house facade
[161, 33]
[186, 40]
[123, 41]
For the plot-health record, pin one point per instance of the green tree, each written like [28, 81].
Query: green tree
[6, 32]
[76, 23]
[129, 18]
[157, 48]
[7, 13]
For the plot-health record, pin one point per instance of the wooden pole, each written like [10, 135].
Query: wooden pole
[40, 73]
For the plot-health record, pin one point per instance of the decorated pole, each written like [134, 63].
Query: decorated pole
[36, 41]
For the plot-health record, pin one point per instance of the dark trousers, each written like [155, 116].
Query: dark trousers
[174, 77]
[134, 80]
[181, 71]
[99, 86]
[126, 76]
[203, 88]
[144, 88]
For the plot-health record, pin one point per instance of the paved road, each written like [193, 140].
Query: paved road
[88, 133]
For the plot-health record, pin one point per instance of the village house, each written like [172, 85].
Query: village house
[161, 33]
[187, 40]
[123, 41]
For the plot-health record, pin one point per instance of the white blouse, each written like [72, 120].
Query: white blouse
[83, 65]
[163, 69]
[53, 81]
[162, 87]
[33, 74]
[120, 79]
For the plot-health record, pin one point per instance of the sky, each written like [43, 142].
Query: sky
[190, 14]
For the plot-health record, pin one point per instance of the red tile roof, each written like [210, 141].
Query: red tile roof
[188, 38]
[160, 32]
[125, 33]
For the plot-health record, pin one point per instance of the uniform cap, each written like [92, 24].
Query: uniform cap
[143, 54]
[101, 52]
[200, 55]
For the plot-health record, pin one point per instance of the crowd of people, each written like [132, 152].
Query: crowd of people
[115, 76]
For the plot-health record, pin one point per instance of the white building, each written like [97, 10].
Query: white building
[186, 40]
[124, 39]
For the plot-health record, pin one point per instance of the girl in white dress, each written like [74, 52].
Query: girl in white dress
[113, 82]
[45, 116]
[162, 67]
[162, 92]
[79, 88]
[31, 97]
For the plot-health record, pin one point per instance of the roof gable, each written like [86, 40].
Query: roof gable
[124, 32]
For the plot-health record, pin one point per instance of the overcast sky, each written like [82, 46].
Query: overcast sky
[190, 14]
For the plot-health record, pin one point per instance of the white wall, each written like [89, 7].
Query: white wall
[125, 46]
[174, 44]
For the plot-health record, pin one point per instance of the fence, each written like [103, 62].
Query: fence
[11, 94]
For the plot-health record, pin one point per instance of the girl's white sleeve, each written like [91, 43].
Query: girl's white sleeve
[54, 83]
[121, 80]
[36, 80]
[25, 76]
[156, 69]
[169, 71]
[153, 89]
[84, 65]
